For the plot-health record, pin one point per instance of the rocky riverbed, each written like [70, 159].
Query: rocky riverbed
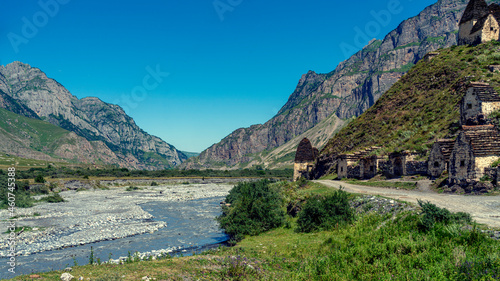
[97, 215]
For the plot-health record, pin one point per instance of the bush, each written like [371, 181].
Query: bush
[39, 179]
[256, 207]
[54, 198]
[154, 183]
[302, 182]
[324, 213]
[432, 214]
[132, 188]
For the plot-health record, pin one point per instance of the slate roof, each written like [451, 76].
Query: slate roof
[485, 92]
[476, 9]
[485, 140]
[305, 152]
[446, 146]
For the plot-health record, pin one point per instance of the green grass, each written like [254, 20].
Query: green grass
[389, 184]
[330, 177]
[422, 106]
[372, 247]
[41, 134]
[133, 188]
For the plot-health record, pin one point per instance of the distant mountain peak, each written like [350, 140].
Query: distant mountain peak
[91, 118]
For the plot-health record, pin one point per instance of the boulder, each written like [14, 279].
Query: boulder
[67, 277]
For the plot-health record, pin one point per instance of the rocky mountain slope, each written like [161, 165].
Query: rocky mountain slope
[28, 91]
[349, 90]
[31, 138]
[420, 108]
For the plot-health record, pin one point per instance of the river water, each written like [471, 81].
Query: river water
[191, 226]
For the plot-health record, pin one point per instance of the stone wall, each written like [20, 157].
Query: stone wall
[464, 36]
[470, 107]
[490, 30]
[416, 168]
[483, 163]
[302, 170]
[437, 163]
[354, 172]
[369, 167]
[490, 107]
[342, 168]
[462, 164]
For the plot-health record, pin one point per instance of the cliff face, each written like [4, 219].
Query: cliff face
[349, 90]
[90, 118]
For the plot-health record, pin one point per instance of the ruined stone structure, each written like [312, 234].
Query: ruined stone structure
[479, 23]
[439, 157]
[403, 164]
[304, 159]
[475, 150]
[359, 165]
[478, 103]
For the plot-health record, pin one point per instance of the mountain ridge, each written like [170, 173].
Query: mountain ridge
[349, 90]
[89, 117]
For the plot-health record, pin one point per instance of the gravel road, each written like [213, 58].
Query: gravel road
[484, 209]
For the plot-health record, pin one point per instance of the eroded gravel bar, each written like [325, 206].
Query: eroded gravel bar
[97, 215]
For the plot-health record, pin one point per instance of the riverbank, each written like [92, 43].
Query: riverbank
[96, 215]
[384, 242]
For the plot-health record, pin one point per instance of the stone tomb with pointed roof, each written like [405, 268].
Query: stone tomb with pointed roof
[478, 103]
[476, 148]
[439, 157]
[479, 23]
[305, 157]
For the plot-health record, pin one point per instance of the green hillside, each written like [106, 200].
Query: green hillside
[423, 105]
[39, 134]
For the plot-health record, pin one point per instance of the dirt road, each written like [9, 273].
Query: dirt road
[484, 209]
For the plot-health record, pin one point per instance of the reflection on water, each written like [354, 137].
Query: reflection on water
[190, 225]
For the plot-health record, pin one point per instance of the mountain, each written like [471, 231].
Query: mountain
[31, 138]
[28, 91]
[348, 91]
[420, 108]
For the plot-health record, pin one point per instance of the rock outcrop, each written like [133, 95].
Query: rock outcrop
[28, 91]
[349, 90]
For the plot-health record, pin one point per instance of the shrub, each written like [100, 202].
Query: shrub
[132, 188]
[54, 198]
[255, 208]
[302, 182]
[154, 183]
[39, 179]
[432, 214]
[42, 189]
[324, 213]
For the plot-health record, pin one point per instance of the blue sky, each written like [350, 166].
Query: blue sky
[191, 72]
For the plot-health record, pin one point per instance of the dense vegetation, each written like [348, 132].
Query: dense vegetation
[20, 191]
[64, 172]
[423, 105]
[255, 207]
[325, 212]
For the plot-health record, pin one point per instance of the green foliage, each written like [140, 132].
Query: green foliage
[302, 182]
[256, 207]
[132, 188]
[154, 183]
[64, 172]
[91, 257]
[21, 193]
[54, 198]
[40, 179]
[325, 212]
[432, 215]
[423, 105]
